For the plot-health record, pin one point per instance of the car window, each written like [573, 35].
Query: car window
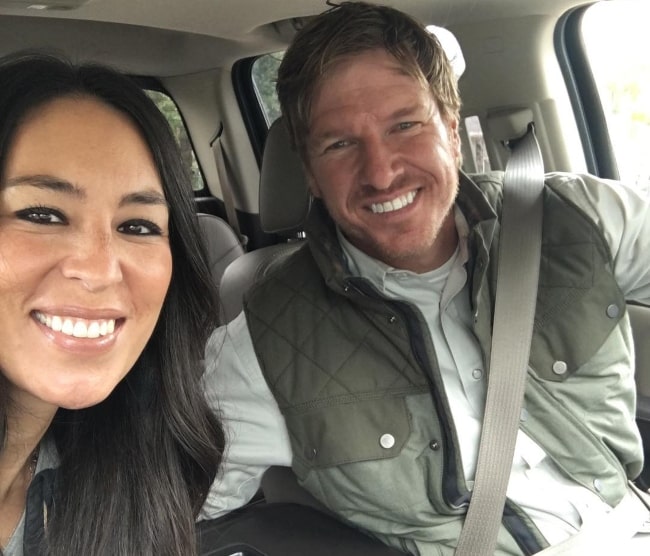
[168, 107]
[264, 74]
[616, 41]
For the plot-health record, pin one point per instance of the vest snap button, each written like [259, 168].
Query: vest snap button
[434, 445]
[598, 485]
[560, 367]
[612, 311]
[392, 319]
[387, 441]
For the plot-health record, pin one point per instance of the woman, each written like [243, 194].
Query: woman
[105, 305]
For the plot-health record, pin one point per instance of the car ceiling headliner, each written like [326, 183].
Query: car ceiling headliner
[171, 37]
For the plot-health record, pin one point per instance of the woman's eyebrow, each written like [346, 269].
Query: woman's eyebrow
[44, 181]
[145, 197]
[52, 183]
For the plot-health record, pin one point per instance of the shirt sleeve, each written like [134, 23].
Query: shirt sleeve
[623, 215]
[256, 433]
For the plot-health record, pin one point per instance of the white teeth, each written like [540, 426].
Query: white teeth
[79, 328]
[93, 330]
[396, 204]
[68, 327]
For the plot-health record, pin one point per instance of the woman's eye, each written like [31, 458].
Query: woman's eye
[140, 228]
[41, 215]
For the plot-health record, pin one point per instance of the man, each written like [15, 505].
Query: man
[361, 362]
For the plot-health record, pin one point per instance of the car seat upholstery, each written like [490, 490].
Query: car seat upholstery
[222, 246]
[640, 320]
[284, 205]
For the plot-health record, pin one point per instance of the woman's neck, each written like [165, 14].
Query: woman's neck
[27, 422]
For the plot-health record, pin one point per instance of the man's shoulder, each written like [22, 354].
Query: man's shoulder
[285, 276]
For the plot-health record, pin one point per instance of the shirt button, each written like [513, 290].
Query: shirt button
[387, 441]
[523, 416]
[612, 311]
[560, 367]
[477, 374]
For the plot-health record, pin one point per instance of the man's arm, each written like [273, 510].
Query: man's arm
[623, 215]
[256, 434]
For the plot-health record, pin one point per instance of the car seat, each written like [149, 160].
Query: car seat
[284, 205]
[222, 246]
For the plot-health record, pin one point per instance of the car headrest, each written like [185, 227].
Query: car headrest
[284, 195]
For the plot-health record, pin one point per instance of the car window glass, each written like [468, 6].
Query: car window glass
[167, 106]
[264, 74]
[617, 44]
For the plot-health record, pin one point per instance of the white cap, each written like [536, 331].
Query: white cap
[451, 46]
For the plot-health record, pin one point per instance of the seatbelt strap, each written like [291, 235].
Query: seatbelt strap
[516, 296]
[225, 179]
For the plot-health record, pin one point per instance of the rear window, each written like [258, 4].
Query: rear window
[264, 75]
[168, 107]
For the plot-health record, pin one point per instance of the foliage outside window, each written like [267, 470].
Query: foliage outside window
[265, 72]
[617, 42]
[167, 106]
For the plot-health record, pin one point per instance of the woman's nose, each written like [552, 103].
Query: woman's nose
[93, 260]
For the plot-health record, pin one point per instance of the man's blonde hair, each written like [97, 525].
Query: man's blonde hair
[350, 29]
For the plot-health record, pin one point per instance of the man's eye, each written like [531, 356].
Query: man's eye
[140, 228]
[41, 215]
[337, 145]
[403, 126]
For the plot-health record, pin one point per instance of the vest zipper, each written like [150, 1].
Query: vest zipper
[451, 494]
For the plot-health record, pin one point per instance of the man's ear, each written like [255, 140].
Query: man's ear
[454, 139]
[311, 182]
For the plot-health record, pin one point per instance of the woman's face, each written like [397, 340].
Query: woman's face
[85, 261]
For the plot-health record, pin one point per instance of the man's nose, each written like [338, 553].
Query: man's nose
[94, 261]
[379, 166]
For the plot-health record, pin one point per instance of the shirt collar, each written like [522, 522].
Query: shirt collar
[378, 273]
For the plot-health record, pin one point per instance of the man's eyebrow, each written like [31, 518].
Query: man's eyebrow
[405, 111]
[44, 181]
[401, 112]
[145, 197]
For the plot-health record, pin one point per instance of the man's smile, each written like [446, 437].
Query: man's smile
[397, 203]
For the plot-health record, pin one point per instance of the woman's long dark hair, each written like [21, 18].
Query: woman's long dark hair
[136, 468]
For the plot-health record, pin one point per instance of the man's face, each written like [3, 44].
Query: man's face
[384, 161]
